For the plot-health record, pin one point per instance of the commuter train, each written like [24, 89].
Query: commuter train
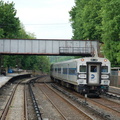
[85, 75]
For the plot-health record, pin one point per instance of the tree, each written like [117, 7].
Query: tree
[85, 20]
[118, 54]
[40, 63]
[43, 64]
[98, 20]
[9, 23]
[27, 62]
[76, 19]
[110, 13]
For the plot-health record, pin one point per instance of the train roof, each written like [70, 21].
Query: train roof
[85, 58]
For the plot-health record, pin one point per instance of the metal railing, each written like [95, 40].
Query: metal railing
[76, 50]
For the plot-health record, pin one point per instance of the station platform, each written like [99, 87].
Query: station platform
[5, 79]
[114, 89]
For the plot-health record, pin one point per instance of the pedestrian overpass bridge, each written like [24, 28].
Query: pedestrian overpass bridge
[49, 47]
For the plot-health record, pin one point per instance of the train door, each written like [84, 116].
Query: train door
[93, 73]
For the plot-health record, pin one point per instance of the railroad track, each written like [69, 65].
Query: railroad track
[16, 105]
[112, 95]
[108, 103]
[63, 106]
[104, 107]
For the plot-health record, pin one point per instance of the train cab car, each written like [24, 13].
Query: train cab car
[85, 75]
[95, 73]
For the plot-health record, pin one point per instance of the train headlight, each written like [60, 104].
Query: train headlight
[105, 76]
[78, 76]
[81, 75]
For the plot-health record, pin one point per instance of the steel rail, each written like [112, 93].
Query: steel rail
[100, 103]
[69, 103]
[82, 101]
[109, 107]
[54, 105]
[5, 111]
[25, 104]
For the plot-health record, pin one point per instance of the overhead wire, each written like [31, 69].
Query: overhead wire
[48, 24]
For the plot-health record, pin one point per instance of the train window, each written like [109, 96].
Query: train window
[59, 70]
[64, 70]
[93, 68]
[55, 69]
[104, 68]
[72, 71]
[82, 68]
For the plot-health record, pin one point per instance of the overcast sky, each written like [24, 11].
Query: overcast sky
[47, 19]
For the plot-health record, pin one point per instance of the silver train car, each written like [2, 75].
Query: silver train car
[85, 75]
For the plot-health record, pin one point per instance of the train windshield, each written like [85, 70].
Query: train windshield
[82, 68]
[93, 69]
[104, 68]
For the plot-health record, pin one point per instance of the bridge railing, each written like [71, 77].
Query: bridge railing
[77, 50]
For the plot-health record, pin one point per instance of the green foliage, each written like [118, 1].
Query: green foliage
[40, 63]
[43, 64]
[10, 60]
[9, 24]
[85, 20]
[118, 54]
[110, 13]
[111, 20]
[98, 20]
[27, 62]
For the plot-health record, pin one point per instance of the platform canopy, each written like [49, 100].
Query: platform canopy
[49, 47]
